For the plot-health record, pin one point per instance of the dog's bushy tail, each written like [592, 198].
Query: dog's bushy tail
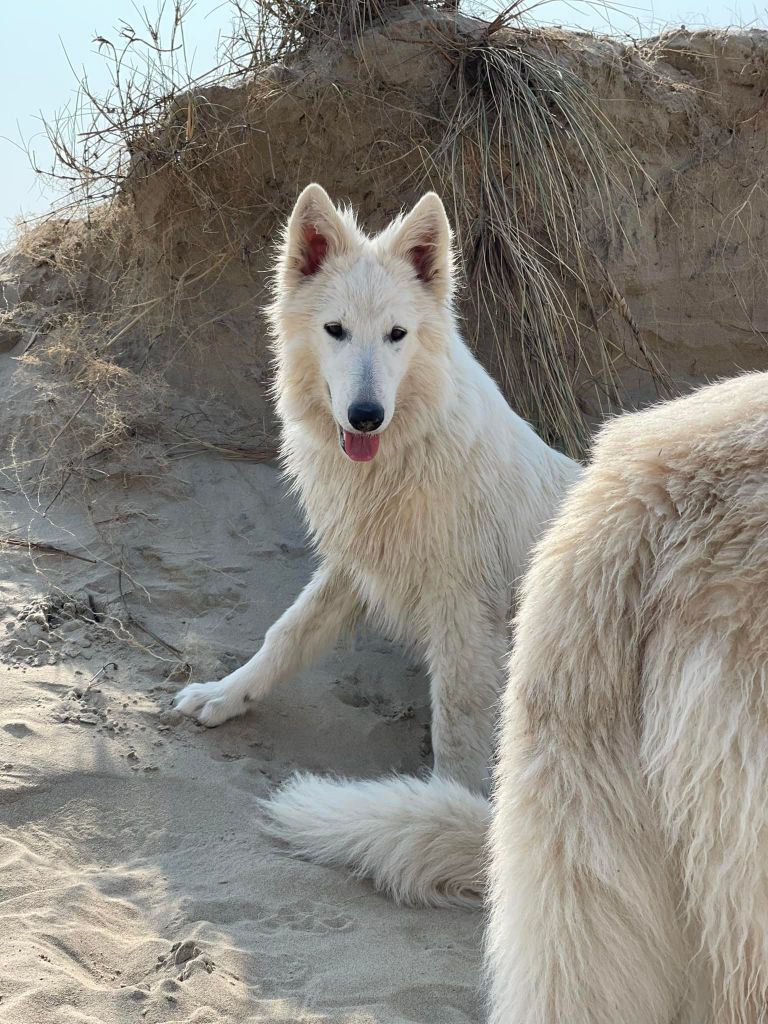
[422, 842]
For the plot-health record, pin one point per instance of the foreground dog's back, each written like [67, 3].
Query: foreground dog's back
[630, 841]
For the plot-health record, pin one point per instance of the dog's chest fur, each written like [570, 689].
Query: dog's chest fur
[412, 531]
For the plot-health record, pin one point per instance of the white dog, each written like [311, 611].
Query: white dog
[423, 491]
[629, 880]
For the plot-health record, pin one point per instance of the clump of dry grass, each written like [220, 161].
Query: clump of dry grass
[265, 31]
[531, 158]
[95, 139]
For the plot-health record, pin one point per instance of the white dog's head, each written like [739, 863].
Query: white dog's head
[355, 318]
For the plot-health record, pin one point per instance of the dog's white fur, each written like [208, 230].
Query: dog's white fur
[629, 878]
[430, 537]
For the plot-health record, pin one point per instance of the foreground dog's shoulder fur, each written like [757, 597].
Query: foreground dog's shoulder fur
[630, 841]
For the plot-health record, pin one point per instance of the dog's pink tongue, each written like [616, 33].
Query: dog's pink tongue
[360, 447]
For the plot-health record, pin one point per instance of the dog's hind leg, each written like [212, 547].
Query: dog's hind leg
[466, 658]
[584, 927]
[326, 607]
[707, 757]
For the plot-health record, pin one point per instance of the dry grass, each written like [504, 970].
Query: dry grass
[266, 31]
[526, 147]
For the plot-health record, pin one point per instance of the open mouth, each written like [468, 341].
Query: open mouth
[358, 447]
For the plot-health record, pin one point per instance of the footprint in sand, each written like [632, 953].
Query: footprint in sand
[353, 695]
[187, 958]
[18, 729]
[317, 919]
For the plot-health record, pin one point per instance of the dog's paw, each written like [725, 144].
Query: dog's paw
[210, 703]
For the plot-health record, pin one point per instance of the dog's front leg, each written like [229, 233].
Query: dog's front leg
[325, 608]
[466, 656]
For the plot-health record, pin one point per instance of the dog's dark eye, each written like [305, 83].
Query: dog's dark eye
[335, 330]
[397, 334]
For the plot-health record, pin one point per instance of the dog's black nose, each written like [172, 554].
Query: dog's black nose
[365, 416]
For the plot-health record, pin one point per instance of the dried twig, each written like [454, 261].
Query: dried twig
[137, 624]
[48, 549]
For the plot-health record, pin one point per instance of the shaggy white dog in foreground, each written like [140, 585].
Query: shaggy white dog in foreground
[629, 845]
[629, 877]
[423, 491]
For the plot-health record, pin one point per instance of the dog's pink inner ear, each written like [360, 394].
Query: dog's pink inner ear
[314, 250]
[422, 258]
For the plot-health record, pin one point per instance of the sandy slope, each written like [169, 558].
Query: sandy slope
[135, 884]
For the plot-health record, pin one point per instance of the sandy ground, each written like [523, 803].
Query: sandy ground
[135, 884]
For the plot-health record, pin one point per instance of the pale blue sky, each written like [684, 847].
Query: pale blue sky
[40, 39]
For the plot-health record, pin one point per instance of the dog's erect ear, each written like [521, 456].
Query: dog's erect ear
[315, 231]
[423, 238]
